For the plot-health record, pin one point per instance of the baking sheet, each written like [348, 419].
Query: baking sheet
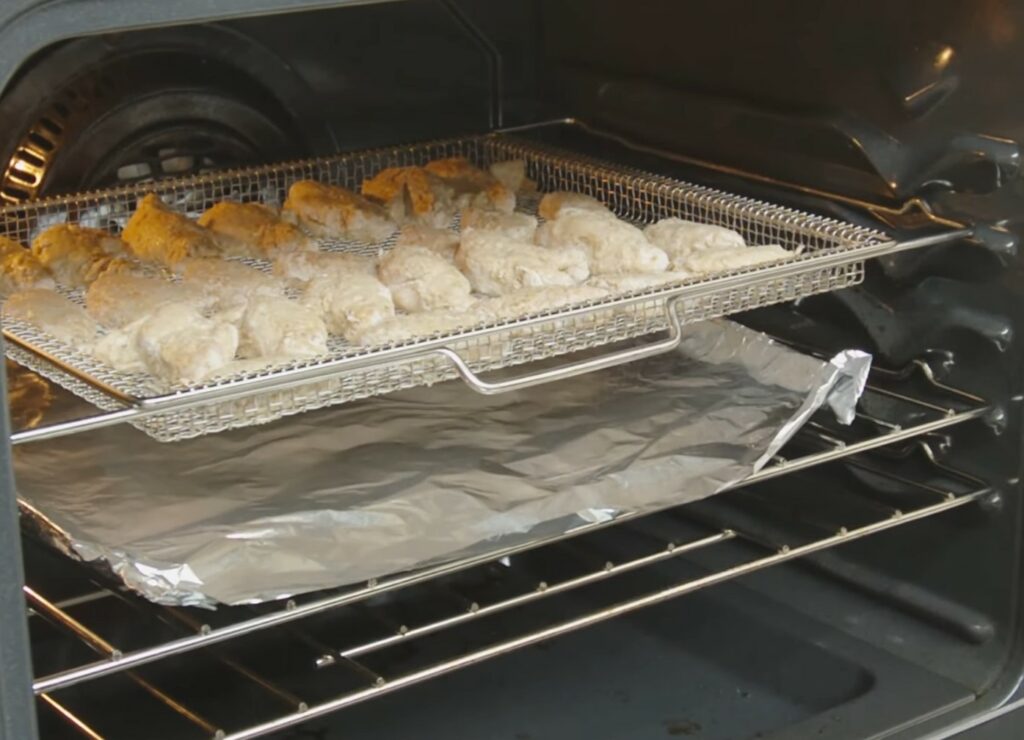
[401, 481]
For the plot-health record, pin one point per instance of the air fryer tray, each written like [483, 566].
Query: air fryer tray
[831, 256]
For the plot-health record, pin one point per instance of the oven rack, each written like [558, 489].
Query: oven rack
[215, 634]
[464, 612]
[830, 255]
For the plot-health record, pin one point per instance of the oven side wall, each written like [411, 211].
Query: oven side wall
[17, 708]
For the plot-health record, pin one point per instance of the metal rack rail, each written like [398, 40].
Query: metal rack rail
[375, 684]
[382, 686]
[942, 408]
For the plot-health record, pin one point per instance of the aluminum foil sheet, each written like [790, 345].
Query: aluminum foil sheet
[397, 482]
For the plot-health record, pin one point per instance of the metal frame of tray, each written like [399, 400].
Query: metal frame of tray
[831, 256]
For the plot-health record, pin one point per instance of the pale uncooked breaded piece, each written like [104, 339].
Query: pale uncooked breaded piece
[442, 241]
[680, 238]
[253, 230]
[518, 226]
[706, 248]
[411, 194]
[612, 246]
[631, 281]
[677, 234]
[512, 174]
[404, 327]
[472, 185]
[537, 300]
[20, 270]
[298, 268]
[116, 299]
[158, 233]
[552, 204]
[709, 261]
[349, 303]
[496, 265]
[53, 314]
[77, 255]
[229, 285]
[217, 276]
[333, 212]
[118, 348]
[421, 280]
[273, 326]
[180, 345]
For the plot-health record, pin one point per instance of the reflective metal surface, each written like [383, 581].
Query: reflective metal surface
[423, 476]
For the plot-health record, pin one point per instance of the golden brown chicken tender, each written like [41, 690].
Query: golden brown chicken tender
[253, 230]
[476, 187]
[158, 233]
[78, 255]
[408, 191]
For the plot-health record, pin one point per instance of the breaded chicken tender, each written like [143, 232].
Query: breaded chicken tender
[158, 233]
[254, 230]
[421, 280]
[496, 265]
[52, 313]
[612, 246]
[333, 212]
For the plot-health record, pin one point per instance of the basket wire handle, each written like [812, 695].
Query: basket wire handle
[488, 388]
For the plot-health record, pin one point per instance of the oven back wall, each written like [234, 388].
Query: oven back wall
[781, 85]
[95, 111]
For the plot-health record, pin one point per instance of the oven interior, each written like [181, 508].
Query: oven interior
[821, 599]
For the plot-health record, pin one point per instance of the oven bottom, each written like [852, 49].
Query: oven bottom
[724, 664]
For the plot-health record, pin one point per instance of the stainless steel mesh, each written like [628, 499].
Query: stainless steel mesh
[636, 196]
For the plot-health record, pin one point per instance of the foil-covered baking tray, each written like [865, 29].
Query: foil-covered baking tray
[348, 372]
[422, 476]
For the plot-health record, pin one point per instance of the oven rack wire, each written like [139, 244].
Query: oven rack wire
[830, 255]
[940, 408]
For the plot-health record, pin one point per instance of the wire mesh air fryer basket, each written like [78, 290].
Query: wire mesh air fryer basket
[349, 372]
